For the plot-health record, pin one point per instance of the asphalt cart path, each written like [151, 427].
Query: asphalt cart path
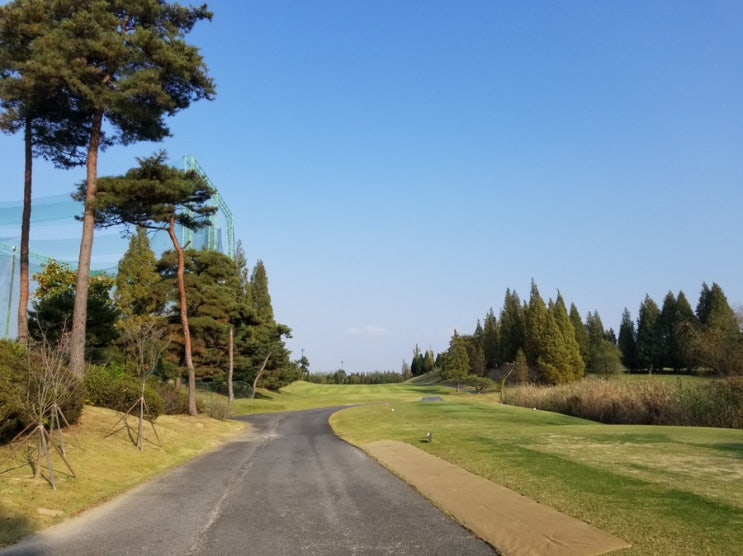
[289, 487]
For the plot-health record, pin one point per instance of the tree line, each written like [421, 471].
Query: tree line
[229, 309]
[545, 342]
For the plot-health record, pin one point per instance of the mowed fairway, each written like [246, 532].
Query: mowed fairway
[666, 490]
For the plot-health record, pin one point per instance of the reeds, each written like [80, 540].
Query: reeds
[707, 403]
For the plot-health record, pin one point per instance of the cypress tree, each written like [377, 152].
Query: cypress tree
[581, 334]
[512, 327]
[717, 343]
[260, 297]
[490, 341]
[648, 341]
[537, 323]
[456, 363]
[137, 280]
[628, 341]
[685, 319]
[574, 366]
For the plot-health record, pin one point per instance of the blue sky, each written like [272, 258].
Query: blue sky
[398, 164]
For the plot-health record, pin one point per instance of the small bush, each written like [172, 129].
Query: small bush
[20, 373]
[175, 402]
[218, 410]
[112, 388]
[12, 390]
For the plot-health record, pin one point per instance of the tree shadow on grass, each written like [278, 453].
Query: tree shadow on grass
[13, 527]
[733, 449]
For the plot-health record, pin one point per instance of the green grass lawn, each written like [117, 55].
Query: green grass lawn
[666, 490]
[303, 395]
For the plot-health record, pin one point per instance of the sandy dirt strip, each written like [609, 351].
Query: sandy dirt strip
[513, 524]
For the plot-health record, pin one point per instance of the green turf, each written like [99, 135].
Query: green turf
[666, 490]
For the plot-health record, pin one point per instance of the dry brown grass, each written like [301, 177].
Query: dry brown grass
[104, 467]
[711, 402]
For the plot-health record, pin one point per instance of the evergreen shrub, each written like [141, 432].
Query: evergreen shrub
[113, 388]
[17, 388]
[12, 391]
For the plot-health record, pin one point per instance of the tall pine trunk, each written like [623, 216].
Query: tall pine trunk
[25, 236]
[80, 311]
[192, 409]
[231, 368]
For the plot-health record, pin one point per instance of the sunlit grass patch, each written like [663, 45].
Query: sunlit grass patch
[647, 484]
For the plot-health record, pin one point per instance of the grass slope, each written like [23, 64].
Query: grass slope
[104, 467]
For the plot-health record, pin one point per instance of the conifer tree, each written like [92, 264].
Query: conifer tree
[34, 100]
[717, 341]
[51, 311]
[137, 281]
[429, 361]
[268, 354]
[125, 67]
[512, 327]
[537, 324]
[490, 343]
[581, 334]
[676, 316]
[456, 363]
[574, 366]
[628, 341]
[416, 365]
[521, 367]
[684, 320]
[648, 342]
[260, 297]
[156, 196]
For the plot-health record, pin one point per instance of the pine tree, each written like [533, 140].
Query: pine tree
[124, 68]
[156, 196]
[34, 100]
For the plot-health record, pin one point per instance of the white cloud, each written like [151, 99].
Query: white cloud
[368, 330]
